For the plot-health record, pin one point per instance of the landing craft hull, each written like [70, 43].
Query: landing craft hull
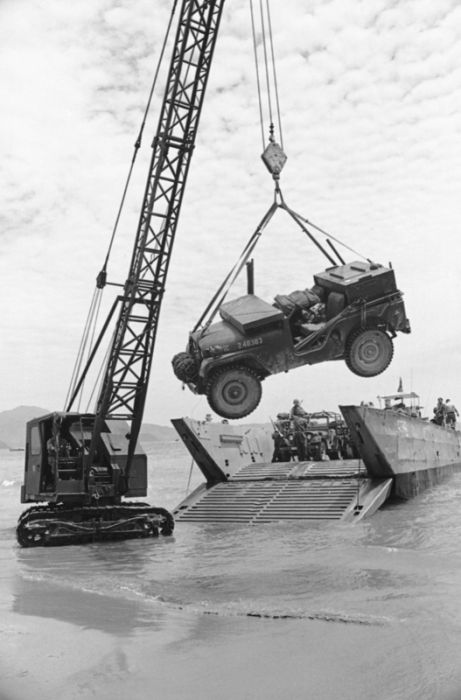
[412, 451]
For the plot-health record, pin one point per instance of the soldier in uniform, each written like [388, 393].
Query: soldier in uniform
[50, 472]
[297, 411]
[450, 414]
[300, 425]
[439, 412]
[282, 449]
[57, 448]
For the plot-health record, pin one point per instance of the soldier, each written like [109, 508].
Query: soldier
[450, 412]
[282, 448]
[439, 412]
[300, 436]
[57, 448]
[50, 467]
[279, 445]
[297, 410]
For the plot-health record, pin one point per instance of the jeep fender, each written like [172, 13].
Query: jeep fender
[374, 322]
[246, 360]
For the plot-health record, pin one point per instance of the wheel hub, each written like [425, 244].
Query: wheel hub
[234, 392]
[369, 351]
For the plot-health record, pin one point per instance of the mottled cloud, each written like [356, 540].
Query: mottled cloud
[371, 102]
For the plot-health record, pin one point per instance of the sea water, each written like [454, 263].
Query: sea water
[389, 587]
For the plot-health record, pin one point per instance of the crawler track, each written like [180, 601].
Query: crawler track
[45, 526]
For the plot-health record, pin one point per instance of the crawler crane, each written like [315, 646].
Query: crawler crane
[80, 467]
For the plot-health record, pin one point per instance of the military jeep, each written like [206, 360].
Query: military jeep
[351, 313]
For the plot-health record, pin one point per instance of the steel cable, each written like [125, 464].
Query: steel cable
[266, 62]
[274, 72]
[91, 343]
[232, 275]
[258, 81]
[138, 141]
[90, 324]
[325, 233]
[82, 345]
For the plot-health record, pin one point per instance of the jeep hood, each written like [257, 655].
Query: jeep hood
[217, 338]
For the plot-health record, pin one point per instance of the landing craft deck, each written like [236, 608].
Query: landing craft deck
[240, 489]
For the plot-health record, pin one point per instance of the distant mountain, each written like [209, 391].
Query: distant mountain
[13, 424]
[150, 432]
[13, 427]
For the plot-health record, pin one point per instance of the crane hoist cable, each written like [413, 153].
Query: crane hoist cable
[98, 300]
[98, 378]
[273, 154]
[258, 82]
[269, 69]
[138, 142]
[274, 158]
[83, 343]
[101, 279]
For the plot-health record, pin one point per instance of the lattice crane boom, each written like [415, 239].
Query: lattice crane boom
[124, 386]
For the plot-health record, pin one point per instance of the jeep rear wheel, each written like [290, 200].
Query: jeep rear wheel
[369, 352]
[234, 392]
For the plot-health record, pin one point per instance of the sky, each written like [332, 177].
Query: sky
[370, 97]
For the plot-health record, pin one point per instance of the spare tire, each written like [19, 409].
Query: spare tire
[234, 392]
[185, 367]
[369, 352]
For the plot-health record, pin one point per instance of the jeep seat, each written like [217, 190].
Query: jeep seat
[336, 302]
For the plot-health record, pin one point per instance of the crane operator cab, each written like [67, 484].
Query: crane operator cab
[55, 465]
[352, 312]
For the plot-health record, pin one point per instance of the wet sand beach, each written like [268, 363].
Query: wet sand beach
[101, 651]
[331, 611]
[176, 655]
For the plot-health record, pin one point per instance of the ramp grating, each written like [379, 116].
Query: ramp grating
[300, 470]
[270, 501]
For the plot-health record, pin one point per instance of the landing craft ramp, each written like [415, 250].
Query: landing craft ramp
[240, 489]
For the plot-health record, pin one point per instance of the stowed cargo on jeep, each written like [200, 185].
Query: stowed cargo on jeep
[352, 312]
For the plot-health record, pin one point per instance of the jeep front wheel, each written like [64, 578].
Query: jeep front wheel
[369, 352]
[234, 392]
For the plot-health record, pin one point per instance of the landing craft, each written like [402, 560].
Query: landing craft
[398, 455]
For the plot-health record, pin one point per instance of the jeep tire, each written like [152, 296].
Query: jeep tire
[234, 392]
[369, 352]
[185, 367]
